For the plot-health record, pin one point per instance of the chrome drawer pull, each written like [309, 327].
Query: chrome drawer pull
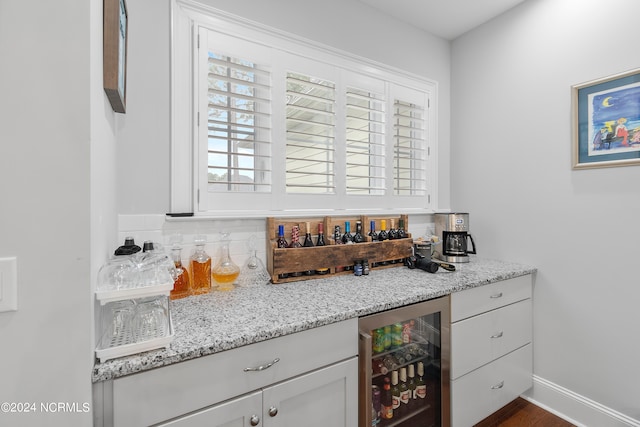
[498, 335]
[498, 386]
[262, 367]
[498, 295]
[255, 420]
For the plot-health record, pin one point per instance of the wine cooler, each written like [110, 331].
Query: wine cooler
[404, 366]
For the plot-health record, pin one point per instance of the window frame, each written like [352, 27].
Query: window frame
[187, 16]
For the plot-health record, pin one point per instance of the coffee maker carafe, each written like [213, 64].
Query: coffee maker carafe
[453, 229]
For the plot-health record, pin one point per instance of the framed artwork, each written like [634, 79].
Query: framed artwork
[115, 53]
[606, 124]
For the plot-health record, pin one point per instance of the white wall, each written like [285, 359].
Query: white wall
[511, 145]
[347, 25]
[47, 81]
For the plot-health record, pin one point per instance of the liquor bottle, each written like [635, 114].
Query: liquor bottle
[282, 243]
[147, 246]
[383, 235]
[129, 247]
[358, 237]
[308, 243]
[347, 238]
[404, 392]
[393, 233]
[200, 268]
[421, 386]
[395, 393]
[337, 239]
[181, 285]
[411, 384]
[225, 272]
[321, 242]
[295, 243]
[372, 231]
[386, 401]
[402, 233]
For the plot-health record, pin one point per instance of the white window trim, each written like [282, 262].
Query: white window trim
[185, 14]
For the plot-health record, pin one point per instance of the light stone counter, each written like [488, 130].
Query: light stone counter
[219, 321]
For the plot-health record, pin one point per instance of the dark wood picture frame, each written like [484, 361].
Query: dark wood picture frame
[115, 30]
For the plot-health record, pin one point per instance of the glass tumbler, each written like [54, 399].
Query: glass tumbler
[117, 323]
[151, 319]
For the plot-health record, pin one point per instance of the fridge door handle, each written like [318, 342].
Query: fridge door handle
[365, 352]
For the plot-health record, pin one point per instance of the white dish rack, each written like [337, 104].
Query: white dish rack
[127, 340]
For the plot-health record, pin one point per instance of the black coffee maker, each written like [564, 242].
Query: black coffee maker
[453, 229]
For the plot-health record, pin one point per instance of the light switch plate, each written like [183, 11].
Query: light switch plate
[8, 284]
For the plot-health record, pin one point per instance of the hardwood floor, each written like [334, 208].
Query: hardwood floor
[521, 413]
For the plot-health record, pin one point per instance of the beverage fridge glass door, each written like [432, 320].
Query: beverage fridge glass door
[404, 366]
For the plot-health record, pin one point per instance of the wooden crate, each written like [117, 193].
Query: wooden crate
[333, 256]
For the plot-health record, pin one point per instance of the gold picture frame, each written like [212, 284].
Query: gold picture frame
[115, 30]
[606, 121]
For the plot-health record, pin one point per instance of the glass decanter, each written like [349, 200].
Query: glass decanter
[226, 271]
[253, 272]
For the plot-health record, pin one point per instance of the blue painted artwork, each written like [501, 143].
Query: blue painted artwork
[614, 120]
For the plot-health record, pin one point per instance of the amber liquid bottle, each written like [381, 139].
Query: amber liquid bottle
[386, 400]
[181, 285]
[200, 269]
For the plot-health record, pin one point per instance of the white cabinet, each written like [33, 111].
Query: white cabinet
[324, 397]
[491, 350]
[311, 373]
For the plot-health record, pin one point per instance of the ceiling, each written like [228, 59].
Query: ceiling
[444, 18]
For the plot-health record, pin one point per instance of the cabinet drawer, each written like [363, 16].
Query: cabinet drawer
[478, 340]
[164, 393]
[478, 300]
[482, 392]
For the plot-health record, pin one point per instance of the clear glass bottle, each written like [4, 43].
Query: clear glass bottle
[225, 271]
[253, 272]
[200, 268]
[181, 285]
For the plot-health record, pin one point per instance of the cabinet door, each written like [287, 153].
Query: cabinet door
[245, 411]
[480, 339]
[480, 393]
[326, 397]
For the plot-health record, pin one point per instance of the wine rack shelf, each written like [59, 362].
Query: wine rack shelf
[334, 257]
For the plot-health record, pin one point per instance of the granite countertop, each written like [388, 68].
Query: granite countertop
[219, 321]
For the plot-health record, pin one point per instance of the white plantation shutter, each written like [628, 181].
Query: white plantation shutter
[310, 130]
[409, 149]
[265, 123]
[239, 125]
[365, 142]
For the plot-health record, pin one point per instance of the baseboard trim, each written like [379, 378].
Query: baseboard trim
[577, 409]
